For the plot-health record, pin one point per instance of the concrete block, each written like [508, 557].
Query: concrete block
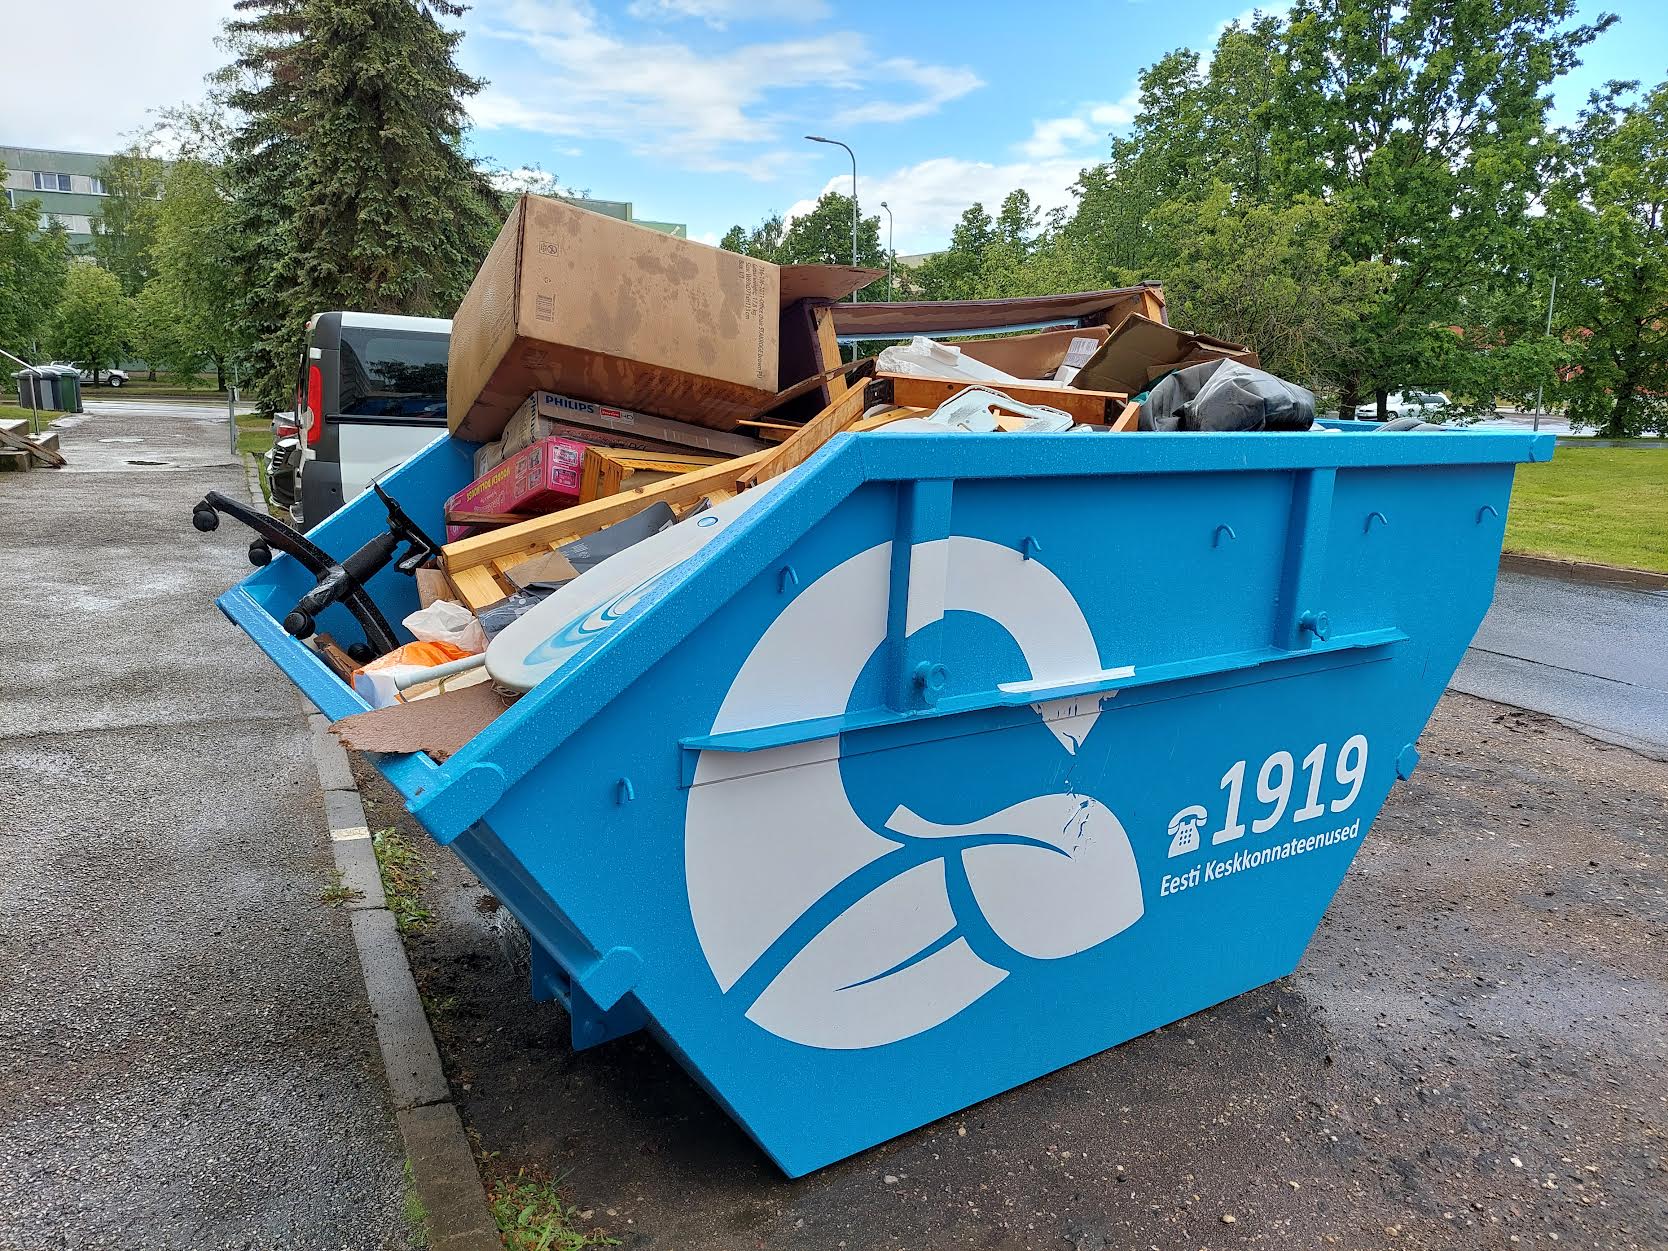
[447, 1180]
[356, 862]
[334, 772]
[408, 1052]
[344, 812]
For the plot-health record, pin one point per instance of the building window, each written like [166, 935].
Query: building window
[47, 181]
[95, 184]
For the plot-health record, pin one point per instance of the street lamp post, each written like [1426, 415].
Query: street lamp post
[853, 156]
[890, 252]
[1541, 389]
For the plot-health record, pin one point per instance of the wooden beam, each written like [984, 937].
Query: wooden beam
[476, 587]
[589, 518]
[1089, 408]
[812, 435]
[1129, 419]
[1152, 304]
[828, 349]
[862, 368]
[23, 443]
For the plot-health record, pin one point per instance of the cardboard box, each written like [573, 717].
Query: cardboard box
[602, 310]
[1140, 349]
[545, 413]
[540, 478]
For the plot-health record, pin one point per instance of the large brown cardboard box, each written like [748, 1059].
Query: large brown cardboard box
[602, 310]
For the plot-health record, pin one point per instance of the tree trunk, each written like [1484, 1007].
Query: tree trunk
[1349, 397]
[1616, 424]
[1383, 404]
[219, 374]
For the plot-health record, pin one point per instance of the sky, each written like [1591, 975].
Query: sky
[696, 110]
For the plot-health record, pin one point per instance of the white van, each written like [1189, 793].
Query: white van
[370, 392]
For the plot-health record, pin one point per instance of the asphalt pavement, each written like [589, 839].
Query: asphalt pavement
[187, 1059]
[1591, 655]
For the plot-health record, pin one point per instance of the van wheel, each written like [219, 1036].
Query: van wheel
[114, 382]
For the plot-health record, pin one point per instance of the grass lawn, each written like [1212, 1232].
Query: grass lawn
[161, 389]
[1608, 505]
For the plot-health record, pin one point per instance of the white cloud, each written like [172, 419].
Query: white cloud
[122, 61]
[939, 83]
[661, 98]
[720, 13]
[929, 197]
[1082, 130]
[529, 179]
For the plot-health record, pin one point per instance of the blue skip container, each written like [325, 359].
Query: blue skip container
[960, 757]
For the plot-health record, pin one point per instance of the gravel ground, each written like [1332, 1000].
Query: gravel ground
[1471, 1055]
[187, 1059]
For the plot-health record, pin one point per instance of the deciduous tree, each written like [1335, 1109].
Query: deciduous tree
[125, 226]
[33, 266]
[1613, 219]
[93, 320]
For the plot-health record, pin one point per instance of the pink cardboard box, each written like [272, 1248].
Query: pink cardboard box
[539, 478]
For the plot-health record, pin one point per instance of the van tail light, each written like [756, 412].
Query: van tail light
[315, 405]
[285, 429]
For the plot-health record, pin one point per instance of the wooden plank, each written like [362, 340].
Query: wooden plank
[599, 475]
[861, 368]
[23, 443]
[465, 554]
[1090, 408]
[606, 469]
[1152, 304]
[476, 587]
[1129, 419]
[798, 449]
[463, 517]
[339, 661]
[431, 586]
[885, 419]
[828, 348]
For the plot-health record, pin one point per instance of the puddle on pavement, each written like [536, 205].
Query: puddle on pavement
[158, 464]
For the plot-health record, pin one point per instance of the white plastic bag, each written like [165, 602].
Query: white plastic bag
[922, 357]
[446, 622]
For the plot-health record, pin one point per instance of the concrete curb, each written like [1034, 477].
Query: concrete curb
[1581, 571]
[443, 1169]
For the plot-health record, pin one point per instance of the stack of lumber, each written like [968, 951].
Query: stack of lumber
[478, 567]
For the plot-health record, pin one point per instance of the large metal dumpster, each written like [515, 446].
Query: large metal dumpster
[958, 758]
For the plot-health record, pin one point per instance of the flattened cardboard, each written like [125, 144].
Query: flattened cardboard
[439, 724]
[552, 567]
[1140, 349]
[881, 320]
[823, 282]
[1030, 355]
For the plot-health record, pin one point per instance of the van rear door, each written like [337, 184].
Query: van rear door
[383, 399]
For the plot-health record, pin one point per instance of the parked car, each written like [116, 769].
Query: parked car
[370, 391]
[1405, 404]
[111, 377]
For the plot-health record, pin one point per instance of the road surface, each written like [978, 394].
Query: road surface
[187, 1059]
[1595, 657]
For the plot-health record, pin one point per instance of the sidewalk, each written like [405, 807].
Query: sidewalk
[186, 1054]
